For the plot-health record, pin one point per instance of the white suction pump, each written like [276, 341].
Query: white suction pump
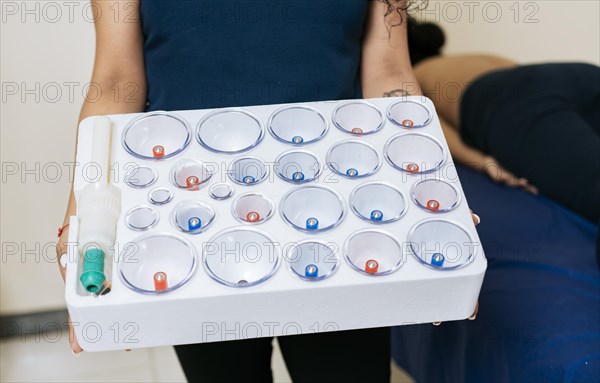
[98, 209]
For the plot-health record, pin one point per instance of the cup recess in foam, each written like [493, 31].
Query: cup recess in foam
[353, 159]
[160, 196]
[409, 114]
[312, 260]
[142, 259]
[190, 174]
[248, 171]
[357, 117]
[157, 135]
[297, 166]
[378, 202]
[141, 218]
[441, 244]
[192, 217]
[435, 195]
[140, 177]
[221, 191]
[240, 257]
[414, 153]
[297, 125]
[312, 209]
[252, 208]
[373, 252]
[229, 131]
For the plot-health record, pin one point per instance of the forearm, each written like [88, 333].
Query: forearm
[386, 70]
[460, 151]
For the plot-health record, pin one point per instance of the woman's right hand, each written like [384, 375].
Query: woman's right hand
[62, 257]
[499, 174]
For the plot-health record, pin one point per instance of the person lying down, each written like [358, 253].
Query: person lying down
[536, 127]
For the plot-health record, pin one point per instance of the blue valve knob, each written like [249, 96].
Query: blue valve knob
[376, 215]
[312, 223]
[311, 271]
[437, 259]
[194, 223]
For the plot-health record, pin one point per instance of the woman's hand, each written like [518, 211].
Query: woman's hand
[499, 174]
[61, 256]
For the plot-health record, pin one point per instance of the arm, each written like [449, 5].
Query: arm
[118, 83]
[385, 67]
[480, 161]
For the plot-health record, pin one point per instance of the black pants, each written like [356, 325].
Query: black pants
[344, 356]
[541, 122]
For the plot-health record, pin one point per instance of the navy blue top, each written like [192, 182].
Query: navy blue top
[207, 54]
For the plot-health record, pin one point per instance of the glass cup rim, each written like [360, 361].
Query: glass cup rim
[184, 281]
[252, 194]
[197, 203]
[173, 171]
[141, 207]
[230, 170]
[301, 151]
[245, 112]
[399, 123]
[442, 180]
[292, 106]
[423, 135]
[304, 277]
[376, 231]
[448, 221]
[269, 239]
[156, 113]
[361, 102]
[381, 183]
[353, 141]
[318, 187]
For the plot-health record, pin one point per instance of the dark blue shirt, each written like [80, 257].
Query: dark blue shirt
[207, 54]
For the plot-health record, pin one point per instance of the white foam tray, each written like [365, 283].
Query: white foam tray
[204, 310]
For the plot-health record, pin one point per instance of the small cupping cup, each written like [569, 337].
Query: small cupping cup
[312, 260]
[141, 218]
[190, 174]
[297, 166]
[192, 217]
[441, 244]
[435, 195]
[312, 208]
[240, 257]
[252, 208]
[140, 177]
[373, 252]
[145, 256]
[357, 117]
[409, 114]
[248, 171]
[156, 136]
[377, 202]
[297, 125]
[229, 131]
[414, 153]
[353, 159]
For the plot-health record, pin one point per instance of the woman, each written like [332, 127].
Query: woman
[174, 55]
[534, 126]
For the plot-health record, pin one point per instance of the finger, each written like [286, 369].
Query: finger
[531, 189]
[476, 219]
[474, 315]
[75, 347]
[436, 323]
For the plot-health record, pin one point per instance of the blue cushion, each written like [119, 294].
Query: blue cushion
[539, 316]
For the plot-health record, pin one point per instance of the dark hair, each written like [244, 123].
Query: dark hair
[424, 40]
[395, 9]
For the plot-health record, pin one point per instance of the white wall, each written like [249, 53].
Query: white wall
[54, 52]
